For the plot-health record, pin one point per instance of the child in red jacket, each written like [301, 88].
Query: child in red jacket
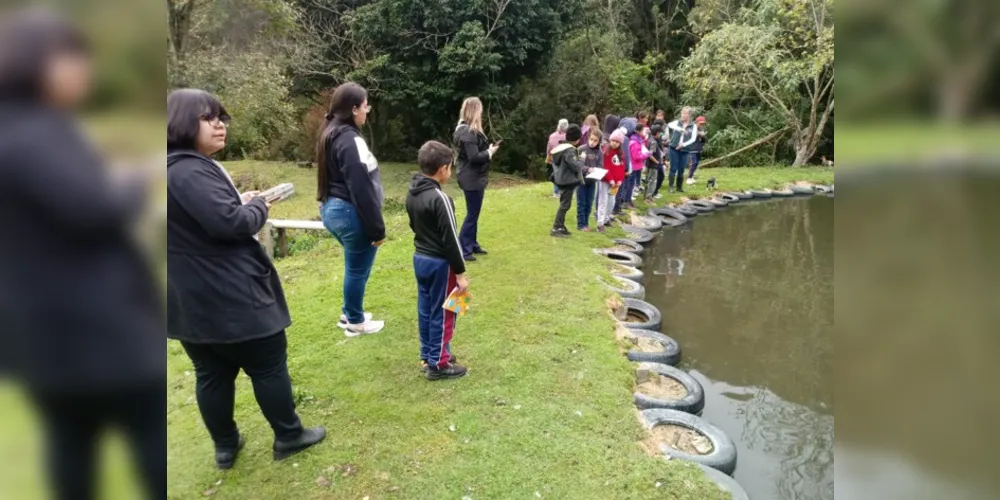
[614, 163]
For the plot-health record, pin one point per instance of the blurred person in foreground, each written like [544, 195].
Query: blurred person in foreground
[81, 313]
[224, 298]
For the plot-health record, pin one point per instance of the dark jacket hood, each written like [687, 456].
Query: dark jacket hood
[421, 183]
[629, 124]
[610, 124]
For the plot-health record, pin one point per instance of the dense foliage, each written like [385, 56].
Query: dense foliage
[753, 68]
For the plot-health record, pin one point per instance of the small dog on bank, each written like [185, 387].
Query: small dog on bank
[710, 185]
[826, 163]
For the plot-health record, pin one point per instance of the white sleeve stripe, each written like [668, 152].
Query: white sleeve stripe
[451, 220]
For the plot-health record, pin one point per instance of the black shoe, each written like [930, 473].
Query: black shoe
[309, 437]
[469, 258]
[557, 233]
[451, 371]
[226, 457]
[480, 251]
[680, 190]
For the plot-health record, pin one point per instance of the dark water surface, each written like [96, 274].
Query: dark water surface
[748, 292]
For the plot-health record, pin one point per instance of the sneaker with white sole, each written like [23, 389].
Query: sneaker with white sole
[658, 196]
[691, 180]
[366, 328]
[342, 324]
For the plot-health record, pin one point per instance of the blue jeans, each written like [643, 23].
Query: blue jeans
[343, 222]
[678, 163]
[469, 236]
[584, 203]
[695, 159]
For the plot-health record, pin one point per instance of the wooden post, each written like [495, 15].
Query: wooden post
[267, 240]
[282, 242]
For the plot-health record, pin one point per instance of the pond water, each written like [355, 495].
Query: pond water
[748, 292]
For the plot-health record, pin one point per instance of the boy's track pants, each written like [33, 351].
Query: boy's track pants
[435, 281]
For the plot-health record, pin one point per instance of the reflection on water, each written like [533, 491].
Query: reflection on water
[748, 293]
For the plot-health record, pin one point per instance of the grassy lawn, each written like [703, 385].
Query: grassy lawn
[546, 406]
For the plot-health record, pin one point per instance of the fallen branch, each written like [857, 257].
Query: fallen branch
[768, 138]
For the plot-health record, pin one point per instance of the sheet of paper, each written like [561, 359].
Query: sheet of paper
[597, 173]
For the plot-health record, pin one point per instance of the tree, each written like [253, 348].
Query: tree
[779, 53]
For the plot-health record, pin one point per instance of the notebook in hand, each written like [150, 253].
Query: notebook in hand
[457, 302]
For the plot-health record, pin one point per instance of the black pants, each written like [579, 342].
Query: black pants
[265, 361]
[468, 238]
[75, 423]
[565, 200]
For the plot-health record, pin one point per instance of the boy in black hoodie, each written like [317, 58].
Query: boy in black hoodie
[438, 262]
[568, 174]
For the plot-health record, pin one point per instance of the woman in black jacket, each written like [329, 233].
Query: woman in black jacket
[349, 189]
[474, 155]
[82, 313]
[224, 299]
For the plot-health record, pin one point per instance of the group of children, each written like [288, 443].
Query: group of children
[623, 149]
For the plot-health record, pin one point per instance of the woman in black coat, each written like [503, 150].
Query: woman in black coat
[81, 313]
[474, 155]
[224, 299]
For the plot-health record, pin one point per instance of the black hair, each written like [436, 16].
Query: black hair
[432, 156]
[641, 114]
[573, 133]
[29, 39]
[611, 123]
[639, 127]
[656, 129]
[345, 98]
[186, 108]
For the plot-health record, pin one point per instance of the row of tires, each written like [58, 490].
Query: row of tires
[643, 321]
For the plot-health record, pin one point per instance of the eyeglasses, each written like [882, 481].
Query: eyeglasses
[215, 121]
[367, 108]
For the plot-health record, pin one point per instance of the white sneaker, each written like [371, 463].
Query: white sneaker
[658, 196]
[691, 180]
[342, 324]
[368, 327]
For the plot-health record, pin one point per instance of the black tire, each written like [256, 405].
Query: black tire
[821, 189]
[651, 224]
[718, 202]
[633, 246]
[637, 234]
[724, 482]
[693, 402]
[668, 212]
[800, 189]
[702, 205]
[723, 454]
[743, 195]
[628, 289]
[670, 355]
[730, 198]
[686, 211]
[626, 258]
[761, 193]
[628, 272]
[654, 320]
[783, 192]
[672, 222]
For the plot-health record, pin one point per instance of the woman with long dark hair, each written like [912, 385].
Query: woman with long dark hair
[81, 310]
[225, 301]
[349, 189]
[474, 155]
